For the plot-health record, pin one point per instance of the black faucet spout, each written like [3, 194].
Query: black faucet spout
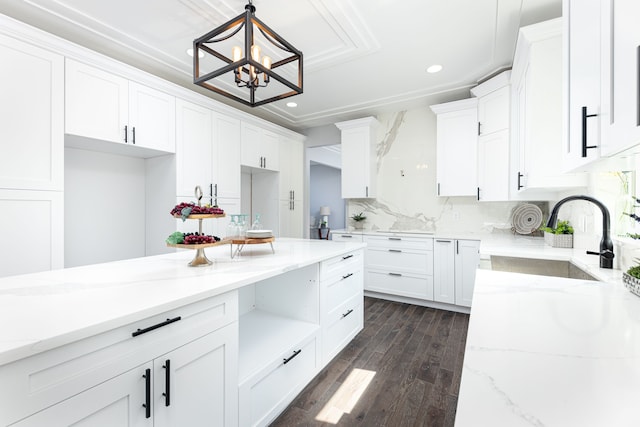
[606, 245]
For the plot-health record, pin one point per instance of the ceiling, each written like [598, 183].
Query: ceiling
[360, 57]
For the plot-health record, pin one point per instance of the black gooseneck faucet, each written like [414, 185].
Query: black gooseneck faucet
[606, 245]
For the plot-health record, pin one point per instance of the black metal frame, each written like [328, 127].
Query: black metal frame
[246, 20]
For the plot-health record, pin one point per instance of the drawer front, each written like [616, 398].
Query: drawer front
[346, 237]
[340, 288]
[400, 260]
[395, 242]
[47, 378]
[402, 284]
[262, 398]
[341, 265]
[341, 325]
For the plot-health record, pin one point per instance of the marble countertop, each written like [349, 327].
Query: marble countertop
[45, 310]
[547, 351]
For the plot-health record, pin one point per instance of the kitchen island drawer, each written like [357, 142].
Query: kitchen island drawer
[399, 242]
[264, 395]
[404, 284]
[400, 260]
[46, 378]
[340, 288]
[341, 265]
[342, 325]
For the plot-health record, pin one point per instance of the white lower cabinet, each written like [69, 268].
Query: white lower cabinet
[105, 379]
[400, 266]
[455, 264]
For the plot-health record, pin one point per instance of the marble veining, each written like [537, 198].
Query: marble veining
[383, 147]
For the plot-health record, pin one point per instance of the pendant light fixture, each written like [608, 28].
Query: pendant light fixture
[241, 66]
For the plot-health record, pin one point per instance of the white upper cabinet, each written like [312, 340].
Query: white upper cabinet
[537, 117]
[194, 150]
[32, 119]
[493, 138]
[107, 107]
[291, 184]
[456, 148]
[226, 152]
[359, 174]
[259, 148]
[581, 91]
[152, 117]
[620, 82]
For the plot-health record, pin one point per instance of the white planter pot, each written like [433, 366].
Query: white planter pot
[558, 240]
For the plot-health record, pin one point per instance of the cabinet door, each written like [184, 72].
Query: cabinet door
[621, 61]
[116, 402]
[466, 262]
[291, 220]
[493, 167]
[226, 156]
[456, 154]
[197, 384]
[493, 111]
[291, 169]
[193, 148]
[354, 167]
[152, 118]
[443, 271]
[31, 123]
[251, 153]
[270, 148]
[27, 217]
[581, 26]
[220, 225]
[96, 104]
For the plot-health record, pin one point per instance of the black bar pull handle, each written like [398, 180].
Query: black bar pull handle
[347, 313]
[479, 128]
[133, 132]
[520, 186]
[585, 116]
[478, 195]
[265, 162]
[147, 393]
[167, 382]
[395, 238]
[348, 256]
[151, 328]
[366, 190]
[438, 189]
[457, 246]
[395, 250]
[126, 133]
[288, 359]
[346, 276]
[395, 274]
[443, 241]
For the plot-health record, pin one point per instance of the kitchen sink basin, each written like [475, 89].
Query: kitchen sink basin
[542, 267]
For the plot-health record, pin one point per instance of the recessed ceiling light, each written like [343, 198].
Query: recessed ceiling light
[291, 104]
[190, 53]
[434, 68]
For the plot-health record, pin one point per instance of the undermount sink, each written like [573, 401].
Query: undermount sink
[541, 267]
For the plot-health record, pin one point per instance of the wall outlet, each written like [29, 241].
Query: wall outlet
[456, 216]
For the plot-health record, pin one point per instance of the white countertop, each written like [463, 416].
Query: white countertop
[547, 351]
[49, 309]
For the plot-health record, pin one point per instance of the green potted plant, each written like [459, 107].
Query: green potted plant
[358, 220]
[631, 278]
[559, 237]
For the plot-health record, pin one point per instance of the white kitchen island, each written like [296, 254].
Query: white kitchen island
[151, 341]
[547, 351]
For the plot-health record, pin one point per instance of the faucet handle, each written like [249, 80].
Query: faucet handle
[607, 253]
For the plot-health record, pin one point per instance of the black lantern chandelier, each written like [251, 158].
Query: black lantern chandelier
[251, 69]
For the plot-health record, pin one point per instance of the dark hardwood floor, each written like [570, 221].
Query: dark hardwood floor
[412, 356]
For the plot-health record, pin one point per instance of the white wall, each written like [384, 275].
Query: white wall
[104, 205]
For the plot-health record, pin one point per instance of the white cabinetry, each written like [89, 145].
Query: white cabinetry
[582, 64]
[346, 237]
[400, 266]
[456, 148]
[106, 107]
[31, 158]
[620, 82]
[455, 263]
[181, 365]
[291, 180]
[359, 173]
[493, 138]
[537, 111]
[259, 148]
[279, 343]
[341, 302]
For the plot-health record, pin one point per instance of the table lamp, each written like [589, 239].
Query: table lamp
[325, 211]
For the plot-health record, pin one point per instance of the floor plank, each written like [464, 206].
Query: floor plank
[406, 363]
